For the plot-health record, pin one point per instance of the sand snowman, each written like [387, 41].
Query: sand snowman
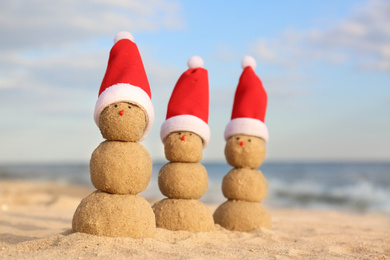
[245, 150]
[185, 133]
[120, 166]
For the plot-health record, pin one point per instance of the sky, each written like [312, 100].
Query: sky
[324, 64]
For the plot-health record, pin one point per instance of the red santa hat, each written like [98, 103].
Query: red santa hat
[125, 80]
[250, 104]
[188, 107]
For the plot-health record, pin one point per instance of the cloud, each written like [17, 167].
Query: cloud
[272, 51]
[52, 59]
[362, 38]
[41, 24]
[364, 35]
[48, 50]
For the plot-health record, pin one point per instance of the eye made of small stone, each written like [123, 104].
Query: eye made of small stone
[238, 138]
[179, 133]
[249, 140]
[129, 106]
[116, 106]
[190, 134]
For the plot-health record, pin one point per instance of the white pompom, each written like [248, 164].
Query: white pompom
[123, 35]
[248, 61]
[195, 62]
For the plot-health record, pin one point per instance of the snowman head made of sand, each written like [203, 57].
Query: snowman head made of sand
[185, 132]
[246, 133]
[124, 110]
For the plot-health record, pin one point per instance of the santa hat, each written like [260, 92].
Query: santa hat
[125, 80]
[250, 104]
[188, 107]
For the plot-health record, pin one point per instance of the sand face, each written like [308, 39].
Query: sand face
[244, 184]
[36, 218]
[183, 180]
[120, 167]
[181, 214]
[113, 215]
[122, 121]
[241, 215]
[183, 146]
[245, 151]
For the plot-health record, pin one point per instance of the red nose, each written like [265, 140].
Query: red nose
[241, 143]
[183, 138]
[122, 112]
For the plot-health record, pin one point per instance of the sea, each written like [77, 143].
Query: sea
[342, 186]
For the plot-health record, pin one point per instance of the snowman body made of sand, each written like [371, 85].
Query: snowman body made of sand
[120, 166]
[184, 134]
[246, 136]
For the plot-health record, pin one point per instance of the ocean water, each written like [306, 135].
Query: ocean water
[356, 187]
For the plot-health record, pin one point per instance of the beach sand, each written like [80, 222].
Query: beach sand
[35, 223]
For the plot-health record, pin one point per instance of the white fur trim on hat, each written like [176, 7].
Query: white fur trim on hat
[195, 62]
[123, 92]
[248, 61]
[186, 123]
[246, 126]
[123, 35]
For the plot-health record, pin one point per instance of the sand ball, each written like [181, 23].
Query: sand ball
[182, 214]
[122, 121]
[120, 167]
[114, 215]
[244, 184]
[245, 151]
[183, 180]
[242, 215]
[183, 147]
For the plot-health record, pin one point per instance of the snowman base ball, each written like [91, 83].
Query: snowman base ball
[182, 214]
[114, 215]
[242, 215]
[120, 167]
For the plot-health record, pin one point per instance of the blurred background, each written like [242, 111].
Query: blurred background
[325, 66]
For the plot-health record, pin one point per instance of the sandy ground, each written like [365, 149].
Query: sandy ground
[35, 223]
